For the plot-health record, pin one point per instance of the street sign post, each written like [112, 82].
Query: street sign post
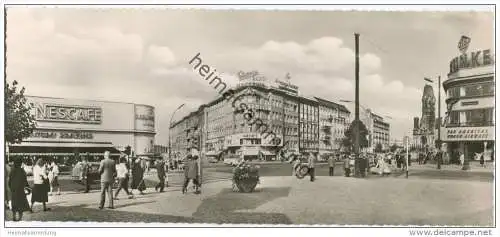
[407, 142]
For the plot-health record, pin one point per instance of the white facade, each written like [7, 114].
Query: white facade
[470, 114]
[78, 125]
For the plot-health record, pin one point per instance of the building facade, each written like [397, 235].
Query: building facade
[470, 97]
[68, 126]
[260, 120]
[378, 130]
[333, 123]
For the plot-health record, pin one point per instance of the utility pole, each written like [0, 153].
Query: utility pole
[356, 118]
[439, 114]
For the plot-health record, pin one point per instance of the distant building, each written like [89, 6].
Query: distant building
[259, 119]
[424, 132]
[378, 130]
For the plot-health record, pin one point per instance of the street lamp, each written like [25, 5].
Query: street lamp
[169, 127]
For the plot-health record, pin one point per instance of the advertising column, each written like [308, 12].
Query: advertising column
[144, 130]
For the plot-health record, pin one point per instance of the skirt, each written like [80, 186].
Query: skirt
[40, 193]
[19, 201]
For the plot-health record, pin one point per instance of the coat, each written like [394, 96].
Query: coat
[311, 162]
[331, 162]
[160, 168]
[17, 182]
[347, 164]
[191, 171]
[137, 176]
[107, 169]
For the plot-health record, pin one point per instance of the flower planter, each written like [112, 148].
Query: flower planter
[246, 185]
[245, 178]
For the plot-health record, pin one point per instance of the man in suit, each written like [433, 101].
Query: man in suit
[312, 165]
[160, 170]
[107, 170]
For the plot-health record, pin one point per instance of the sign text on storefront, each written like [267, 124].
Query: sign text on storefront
[469, 134]
[68, 113]
[63, 135]
[471, 60]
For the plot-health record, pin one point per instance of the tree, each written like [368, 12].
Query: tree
[378, 148]
[350, 136]
[394, 147]
[19, 122]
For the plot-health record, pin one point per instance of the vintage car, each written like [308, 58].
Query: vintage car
[92, 175]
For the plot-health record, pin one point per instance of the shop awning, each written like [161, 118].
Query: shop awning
[55, 154]
[268, 153]
[65, 144]
[250, 152]
[213, 153]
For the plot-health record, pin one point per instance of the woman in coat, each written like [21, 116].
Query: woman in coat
[190, 173]
[17, 183]
[41, 185]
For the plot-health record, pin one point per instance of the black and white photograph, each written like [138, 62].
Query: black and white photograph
[250, 116]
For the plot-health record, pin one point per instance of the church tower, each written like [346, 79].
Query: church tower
[428, 118]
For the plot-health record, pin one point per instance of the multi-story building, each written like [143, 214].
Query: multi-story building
[470, 118]
[186, 134]
[378, 130]
[333, 122]
[66, 126]
[260, 120]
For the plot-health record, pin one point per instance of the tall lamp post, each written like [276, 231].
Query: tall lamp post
[169, 135]
[356, 115]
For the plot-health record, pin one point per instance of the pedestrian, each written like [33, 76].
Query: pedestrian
[160, 171]
[347, 167]
[190, 172]
[138, 176]
[41, 185]
[7, 192]
[362, 166]
[439, 158]
[331, 165]
[122, 175]
[54, 178]
[462, 158]
[311, 164]
[198, 174]
[18, 182]
[85, 176]
[481, 160]
[107, 170]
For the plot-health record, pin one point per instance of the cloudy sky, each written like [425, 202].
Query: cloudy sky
[141, 55]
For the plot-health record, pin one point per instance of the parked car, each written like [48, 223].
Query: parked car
[212, 160]
[231, 161]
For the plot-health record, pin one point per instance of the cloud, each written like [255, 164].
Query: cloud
[108, 63]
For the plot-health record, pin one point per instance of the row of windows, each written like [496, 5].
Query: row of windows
[473, 117]
[481, 89]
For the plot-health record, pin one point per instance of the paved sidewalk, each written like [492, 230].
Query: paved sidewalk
[287, 200]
